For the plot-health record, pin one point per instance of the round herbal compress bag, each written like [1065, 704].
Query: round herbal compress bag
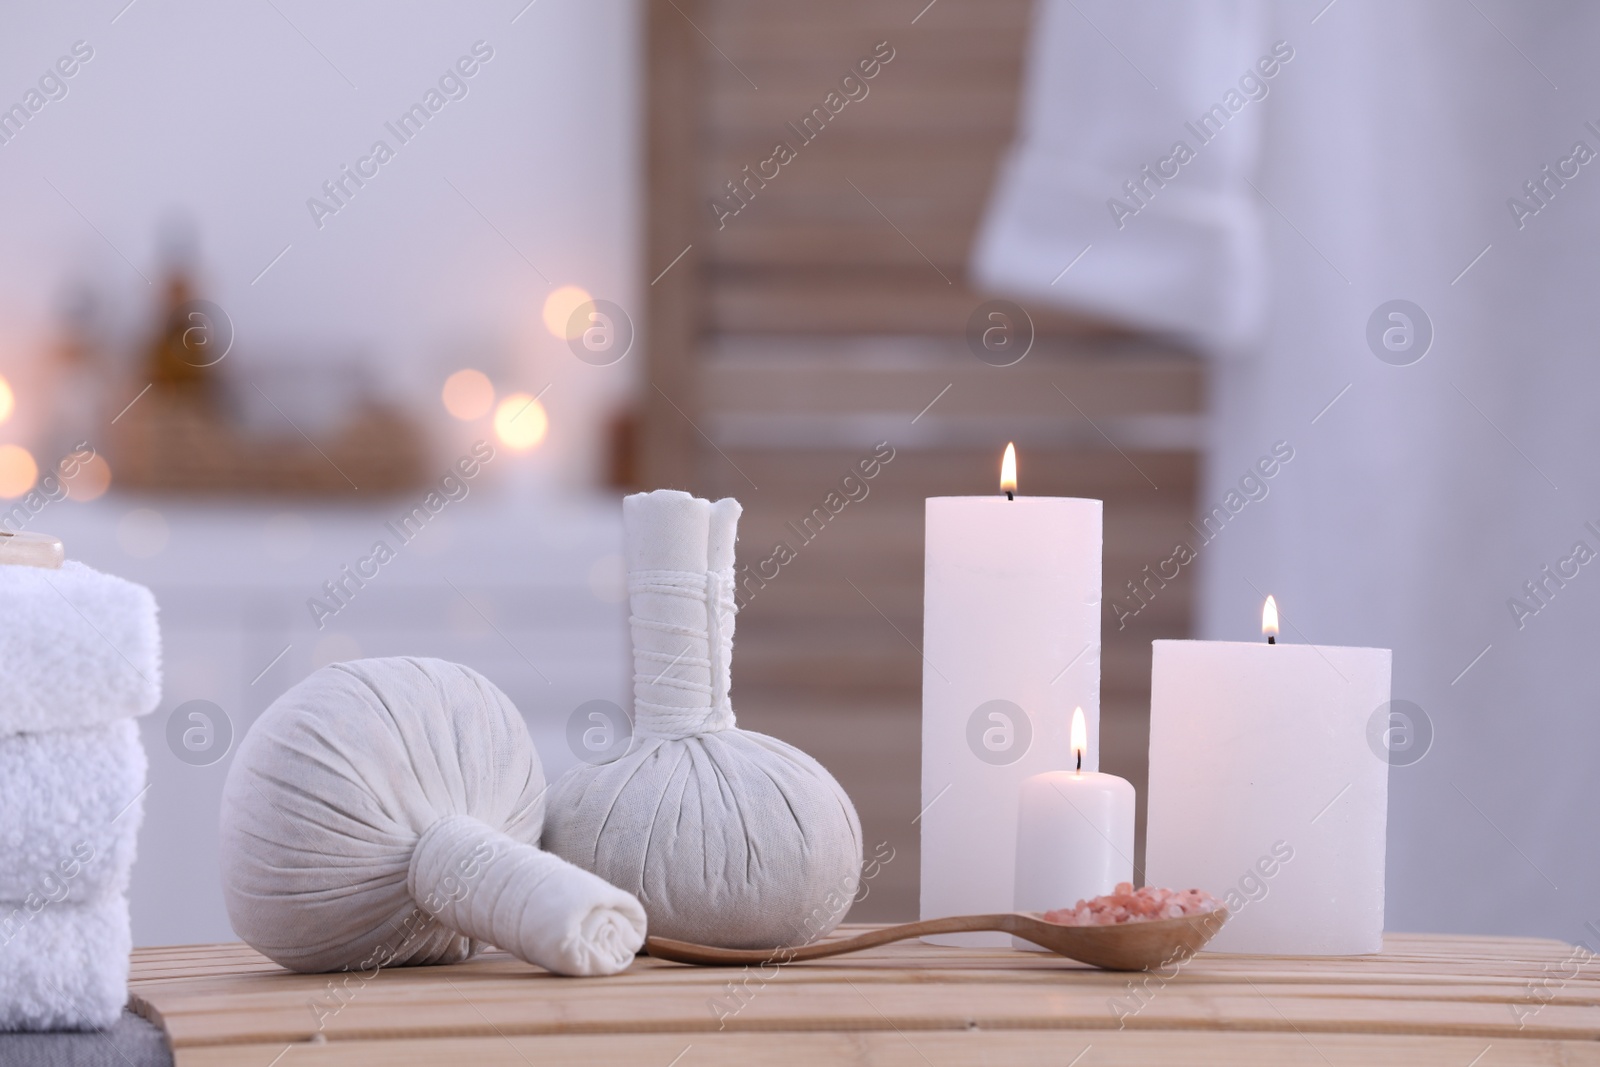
[727, 837]
[387, 812]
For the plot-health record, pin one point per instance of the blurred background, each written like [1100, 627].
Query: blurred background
[732, 247]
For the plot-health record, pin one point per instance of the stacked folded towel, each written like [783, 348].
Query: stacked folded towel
[80, 658]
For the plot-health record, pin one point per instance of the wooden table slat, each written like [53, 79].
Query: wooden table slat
[888, 1049]
[1532, 1001]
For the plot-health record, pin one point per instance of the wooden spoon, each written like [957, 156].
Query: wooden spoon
[1135, 946]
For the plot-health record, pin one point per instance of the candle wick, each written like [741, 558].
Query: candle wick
[1009, 496]
[1272, 639]
[1080, 761]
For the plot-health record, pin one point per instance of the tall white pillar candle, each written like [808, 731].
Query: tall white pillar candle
[1011, 643]
[1074, 835]
[1265, 792]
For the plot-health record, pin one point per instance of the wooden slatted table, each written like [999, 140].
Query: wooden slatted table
[1426, 1000]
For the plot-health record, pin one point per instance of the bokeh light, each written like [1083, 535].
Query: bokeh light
[558, 309]
[18, 471]
[468, 394]
[520, 422]
[8, 400]
[91, 481]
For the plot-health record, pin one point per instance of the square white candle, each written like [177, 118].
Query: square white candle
[1265, 792]
[1011, 644]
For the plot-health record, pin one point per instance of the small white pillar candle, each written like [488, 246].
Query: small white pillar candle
[1074, 835]
[1011, 643]
[1265, 792]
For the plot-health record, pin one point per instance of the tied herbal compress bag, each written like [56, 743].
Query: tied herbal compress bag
[727, 837]
[387, 812]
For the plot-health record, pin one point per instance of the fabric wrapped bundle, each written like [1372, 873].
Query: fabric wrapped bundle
[727, 837]
[387, 812]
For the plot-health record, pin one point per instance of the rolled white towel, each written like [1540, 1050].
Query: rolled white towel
[78, 648]
[533, 904]
[70, 806]
[64, 966]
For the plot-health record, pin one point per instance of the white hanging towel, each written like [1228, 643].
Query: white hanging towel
[1442, 501]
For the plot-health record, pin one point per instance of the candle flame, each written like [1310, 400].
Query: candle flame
[1269, 617]
[1080, 735]
[1008, 469]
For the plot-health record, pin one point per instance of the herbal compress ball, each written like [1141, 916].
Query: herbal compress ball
[386, 812]
[727, 837]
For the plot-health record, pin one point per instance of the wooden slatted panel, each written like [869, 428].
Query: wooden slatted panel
[1428, 999]
[807, 376]
[868, 229]
[826, 315]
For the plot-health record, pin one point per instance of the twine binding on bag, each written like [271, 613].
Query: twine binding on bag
[702, 707]
[727, 837]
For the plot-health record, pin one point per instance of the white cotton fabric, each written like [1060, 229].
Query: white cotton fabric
[64, 966]
[1393, 158]
[531, 903]
[70, 806]
[79, 648]
[1190, 261]
[336, 784]
[727, 837]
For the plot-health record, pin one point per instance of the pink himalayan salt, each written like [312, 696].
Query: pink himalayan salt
[1124, 904]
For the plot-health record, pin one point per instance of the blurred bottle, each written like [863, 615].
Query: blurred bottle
[180, 355]
[77, 376]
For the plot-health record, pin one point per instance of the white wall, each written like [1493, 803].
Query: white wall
[227, 114]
